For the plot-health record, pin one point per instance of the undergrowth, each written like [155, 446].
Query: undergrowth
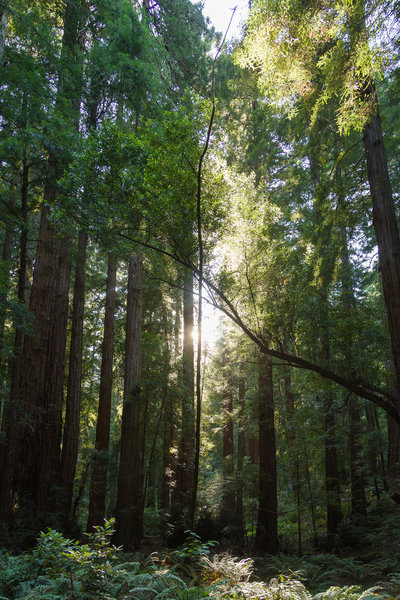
[62, 569]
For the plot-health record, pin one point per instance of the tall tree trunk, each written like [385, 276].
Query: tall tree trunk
[253, 446]
[98, 484]
[228, 516]
[332, 482]
[5, 267]
[375, 449]
[332, 487]
[393, 456]
[241, 448]
[44, 352]
[168, 432]
[386, 229]
[169, 465]
[310, 493]
[293, 448]
[10, 416]
[184, 477]
[69, 455]
[129, 509]
[267, 524]
[358, 500]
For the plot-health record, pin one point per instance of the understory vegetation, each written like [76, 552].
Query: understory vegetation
[59, 568]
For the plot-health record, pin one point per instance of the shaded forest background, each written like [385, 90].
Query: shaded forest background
[149, 170]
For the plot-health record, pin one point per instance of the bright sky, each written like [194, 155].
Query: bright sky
[220, 13]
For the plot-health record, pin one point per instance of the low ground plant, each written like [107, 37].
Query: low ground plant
[62, 569]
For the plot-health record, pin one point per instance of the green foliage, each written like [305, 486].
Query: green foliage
[319, 54]
[230, 578]
[60, 568]
[193, 549]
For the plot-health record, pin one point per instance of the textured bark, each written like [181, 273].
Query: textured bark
[386, 230]
[267, 523]
[69, 455]
[10, 415]
[98, 485]
[38, 462]
[129, 509]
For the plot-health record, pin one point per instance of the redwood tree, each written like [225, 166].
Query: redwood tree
[129, 507]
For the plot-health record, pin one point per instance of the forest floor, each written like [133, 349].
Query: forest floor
[364, 566]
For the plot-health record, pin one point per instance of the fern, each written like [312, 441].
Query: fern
[352, 592]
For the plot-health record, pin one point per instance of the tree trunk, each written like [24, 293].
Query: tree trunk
[98, 484]
[332, 487]
[267, 524]
[393, 456]
[184, 477]
[69, 455]
[332, 483]
[168, 432]
[375, 449]
[169, 465]
[293, 449]
[386, 229]
[241, 449]
[358, 500]
[228, 515]
[129, 509]
[10, 415]
[38, 462]
[6, 258]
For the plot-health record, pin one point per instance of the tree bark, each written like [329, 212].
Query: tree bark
[267, 524]
[129, 509]
[228, 515]
[69, 455]
[293, 449]
[98, 484]
[38, 462]
[241, 447]
[11, 409]
[386, 229]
